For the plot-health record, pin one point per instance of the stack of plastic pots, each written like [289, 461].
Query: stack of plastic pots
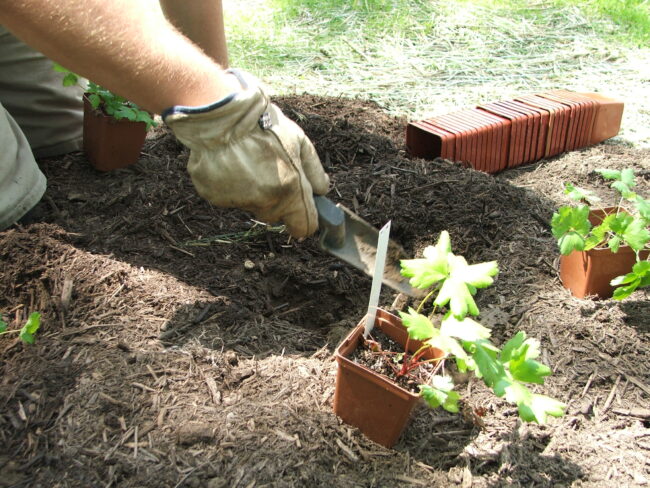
[500, 135]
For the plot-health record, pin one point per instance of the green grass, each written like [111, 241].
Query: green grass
[631, 16]
[421, 57]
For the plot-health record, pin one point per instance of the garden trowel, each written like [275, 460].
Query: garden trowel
[353, 240]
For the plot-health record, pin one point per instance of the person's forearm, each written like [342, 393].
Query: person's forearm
[202, 22]
[125, 45]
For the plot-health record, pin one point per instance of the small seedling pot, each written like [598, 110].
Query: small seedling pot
[109, 143]
[373, 403]
[589, 273]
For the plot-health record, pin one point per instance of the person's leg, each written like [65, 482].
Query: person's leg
[21, 182]
[49, 114]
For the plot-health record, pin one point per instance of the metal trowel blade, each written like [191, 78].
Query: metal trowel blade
[353, 240]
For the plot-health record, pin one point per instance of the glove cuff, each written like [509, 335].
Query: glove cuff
[231, 117]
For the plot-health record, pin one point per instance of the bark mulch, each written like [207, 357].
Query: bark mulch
[185, 345]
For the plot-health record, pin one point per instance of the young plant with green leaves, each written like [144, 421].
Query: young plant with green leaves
[27, 332]
[108, 102]
[627, 225]
[453, 283]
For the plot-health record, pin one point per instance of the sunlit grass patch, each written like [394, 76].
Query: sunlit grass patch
[419, 57]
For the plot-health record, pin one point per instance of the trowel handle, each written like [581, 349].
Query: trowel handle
[331, 221]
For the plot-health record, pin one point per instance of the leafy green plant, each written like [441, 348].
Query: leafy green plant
[453, 283]
[111, 104]
[28, 331]
[627, 225]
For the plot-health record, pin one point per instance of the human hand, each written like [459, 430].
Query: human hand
[245, 153]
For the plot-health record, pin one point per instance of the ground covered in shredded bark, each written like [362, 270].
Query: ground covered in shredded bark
[184, 345]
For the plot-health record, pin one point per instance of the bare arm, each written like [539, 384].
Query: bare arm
[125, 45]
[202, 22]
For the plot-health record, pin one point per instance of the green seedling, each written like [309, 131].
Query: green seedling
[28, 331]
[111, 104]
[459, 337]
[628, 225]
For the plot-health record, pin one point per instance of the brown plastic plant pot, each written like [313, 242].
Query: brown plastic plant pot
[425, 142]
[578, 117]
[473, 137]
[556, 121]
[462, 142]
[373, 403]
[109, 143]
[484, 145]
[518, 122]
[594, 107]
[498, 142]
[427, 138]
[589, 273]
[510, 128]
[590, 107]
[608, 118]
[531, 127]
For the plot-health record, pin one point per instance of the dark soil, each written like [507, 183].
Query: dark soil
[184, 345]
[384, 356]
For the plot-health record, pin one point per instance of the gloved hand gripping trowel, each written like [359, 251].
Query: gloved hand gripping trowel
[353, 240]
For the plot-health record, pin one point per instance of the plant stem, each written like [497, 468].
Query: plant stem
[425, 299]
[405, 359]
[618, 207]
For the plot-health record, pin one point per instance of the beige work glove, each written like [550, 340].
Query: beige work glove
[245, 153]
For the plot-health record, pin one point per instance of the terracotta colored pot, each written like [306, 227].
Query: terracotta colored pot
[365, 399]
[111, 144]
[588, 273]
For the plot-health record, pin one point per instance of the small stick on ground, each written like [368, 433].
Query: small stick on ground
[586, 388]
[608, 402]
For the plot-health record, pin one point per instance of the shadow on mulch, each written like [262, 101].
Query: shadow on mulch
[632, 312]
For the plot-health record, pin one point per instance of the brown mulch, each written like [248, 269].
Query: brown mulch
[185, 345]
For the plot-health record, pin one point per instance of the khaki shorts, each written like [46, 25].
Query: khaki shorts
[38, 118]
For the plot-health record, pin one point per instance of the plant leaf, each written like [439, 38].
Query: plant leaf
[3, 326]
[516, 392]
[636, 235]
[455, 292]
[627, 177]
[514, 344]
[485, 357]
[458, 288]
[423, 273]
[436, 397]
[539, 407]
[579, 194]
[478, 275]
[124, 112]
[614, 244]
[94, 100]
[623, 189]
[443, 383]
[529, 371]
[417, 325]
[570, 226]
[643, 206]
[570, 242]
[59, 69]
[448, 345]
[30, 328]
[433, 268]
[70, 79]
[639, 277]
[609, 174]
[465, 329]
